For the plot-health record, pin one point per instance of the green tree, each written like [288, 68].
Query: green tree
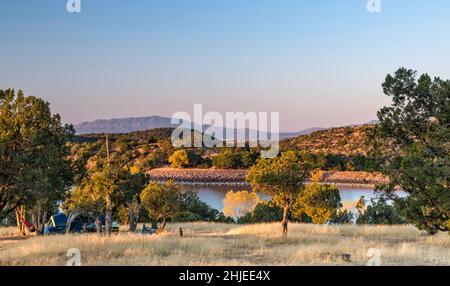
[228, 160]
[35, 169]
[162, 201]
[282, 178]
[105, 191]
[263, 212]
[131, 185]
[379, 212]
[105, 185]
[85, 200]
[319, 202]
[107, 179]
[342, 216]
[196, 159]
[417, 127]
[179, 159]
[193, 209]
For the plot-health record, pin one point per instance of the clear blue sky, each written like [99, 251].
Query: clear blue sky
[317, 62]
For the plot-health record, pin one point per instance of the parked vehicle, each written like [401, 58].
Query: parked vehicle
[75, 223]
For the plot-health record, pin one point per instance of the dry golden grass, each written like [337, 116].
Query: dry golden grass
[225, 244]
[8, 231]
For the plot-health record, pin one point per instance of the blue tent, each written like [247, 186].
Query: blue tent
[56, 224]
[58, 220]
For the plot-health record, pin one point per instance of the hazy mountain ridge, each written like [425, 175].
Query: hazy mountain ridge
[126, 125]
[130, 124]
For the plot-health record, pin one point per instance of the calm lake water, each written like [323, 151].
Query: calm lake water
[213, 195]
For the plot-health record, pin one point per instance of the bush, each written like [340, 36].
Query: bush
[197, 161]
[319, 202]
[187, 216]
[342, 217]
[234, 160]
[196, 210]
[188, 158]
[179, 159]
[379, 212]
[317, 175]
[227, 160]
[263, 212]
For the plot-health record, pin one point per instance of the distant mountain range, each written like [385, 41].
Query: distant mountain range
[125, 125]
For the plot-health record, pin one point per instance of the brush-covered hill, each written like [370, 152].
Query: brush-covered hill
[143, 149]
[337, 149]
[349, 140]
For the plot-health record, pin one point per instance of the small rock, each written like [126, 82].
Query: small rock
[346, 257]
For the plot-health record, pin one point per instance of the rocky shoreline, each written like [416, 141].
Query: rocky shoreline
[216, 176]
[353, 179]
[197, 175]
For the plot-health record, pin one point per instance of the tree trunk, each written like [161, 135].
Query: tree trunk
[70, 219]
[44, 220]
[38, 218]
[20, 216]
[98, 224]
[284, 223]
[136, 215]
[133, 215]
[163, 226]
[131, 218]
[108, 215]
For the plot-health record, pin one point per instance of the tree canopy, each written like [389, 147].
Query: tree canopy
[282, 178]
[35, 169]
[417, 126]
[238, 204]
[179, 159]
[319, 202]
[162, 201]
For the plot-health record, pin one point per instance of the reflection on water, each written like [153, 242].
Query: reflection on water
[213, 195]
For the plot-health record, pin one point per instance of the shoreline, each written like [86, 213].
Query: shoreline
[364, 180]
[245, 184]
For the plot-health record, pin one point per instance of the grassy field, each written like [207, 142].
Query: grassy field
[7, 231]
[225, 244]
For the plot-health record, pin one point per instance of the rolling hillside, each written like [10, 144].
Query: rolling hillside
[151, 148]
[348, 140]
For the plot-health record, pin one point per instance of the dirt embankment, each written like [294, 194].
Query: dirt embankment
[238, 176]
[197, 175]
[353, 178]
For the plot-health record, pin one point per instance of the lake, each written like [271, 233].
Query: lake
[213, 195]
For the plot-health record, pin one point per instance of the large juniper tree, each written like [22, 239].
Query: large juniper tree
[417, 127]
[35, 169]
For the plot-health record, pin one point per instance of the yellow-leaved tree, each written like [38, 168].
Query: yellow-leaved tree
[179, 159]
[238, 204]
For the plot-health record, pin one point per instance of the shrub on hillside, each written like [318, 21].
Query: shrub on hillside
[179, 159]
[235, 159]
